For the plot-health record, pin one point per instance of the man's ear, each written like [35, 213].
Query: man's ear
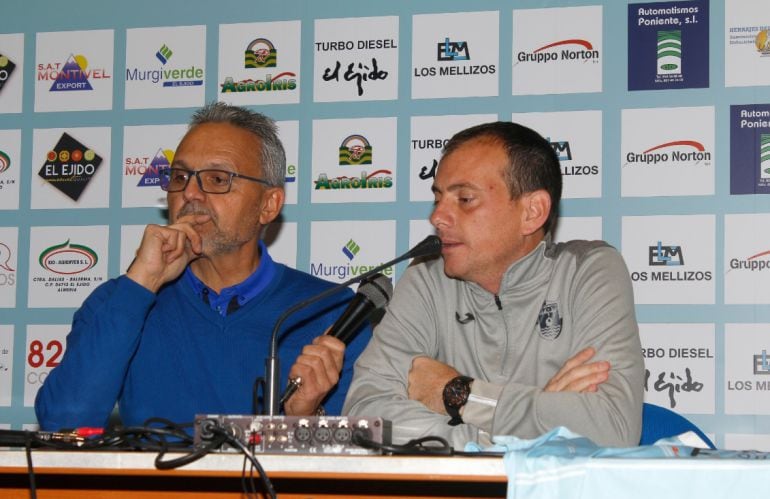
[272, 202]
[536, 207]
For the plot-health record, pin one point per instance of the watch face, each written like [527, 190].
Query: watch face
[456, 392]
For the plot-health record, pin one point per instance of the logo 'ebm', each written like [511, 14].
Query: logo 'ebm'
[67, 258]
[355, 150]
[660, 255]
[761, 363]
[260, 53]
[69, 166]
[562, 150]
[453, 51]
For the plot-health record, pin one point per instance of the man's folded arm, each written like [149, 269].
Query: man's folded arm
[604, 319]
[528, 411]
[378, 392]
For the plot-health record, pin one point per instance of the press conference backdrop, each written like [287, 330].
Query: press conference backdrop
[659, 112]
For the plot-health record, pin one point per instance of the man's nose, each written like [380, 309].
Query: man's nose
[193, 188]
[440, 216]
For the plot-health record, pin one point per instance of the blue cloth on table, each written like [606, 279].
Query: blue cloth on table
[568, 466]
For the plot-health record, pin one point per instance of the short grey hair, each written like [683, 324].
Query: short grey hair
[273, 155]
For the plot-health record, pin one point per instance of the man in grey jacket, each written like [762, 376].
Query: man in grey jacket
[501, 335]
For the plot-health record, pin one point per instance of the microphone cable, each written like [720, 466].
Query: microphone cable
[417, 447]
[170, 437]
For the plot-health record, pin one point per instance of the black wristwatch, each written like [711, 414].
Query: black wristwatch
[456, 393]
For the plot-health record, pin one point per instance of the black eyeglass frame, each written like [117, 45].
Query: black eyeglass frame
[196, 173]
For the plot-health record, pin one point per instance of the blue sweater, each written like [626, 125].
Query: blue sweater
[172, 356]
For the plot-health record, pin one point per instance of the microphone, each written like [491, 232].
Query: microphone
[431, 245]
[371, 296]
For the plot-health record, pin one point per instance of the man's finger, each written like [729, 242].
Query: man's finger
[580, 378]
[583, 383]
[576, 360]
[579, 358]
[335, 347]
[187, 227]
[325, 370]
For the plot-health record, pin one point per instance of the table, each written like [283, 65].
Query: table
[102, 474]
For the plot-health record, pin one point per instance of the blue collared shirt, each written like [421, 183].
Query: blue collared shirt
[233, 297]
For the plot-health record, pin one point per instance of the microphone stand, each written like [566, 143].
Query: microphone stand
[428, 246]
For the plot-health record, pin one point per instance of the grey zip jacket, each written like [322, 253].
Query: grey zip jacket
[554, 302]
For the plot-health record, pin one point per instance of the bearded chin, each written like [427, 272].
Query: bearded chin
[217, 240]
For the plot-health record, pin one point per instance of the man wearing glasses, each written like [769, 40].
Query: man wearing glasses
[186, 330]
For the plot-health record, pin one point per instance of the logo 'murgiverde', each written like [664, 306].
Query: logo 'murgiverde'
[571, 49]
[351, 249]
[164, 54]
[167, 77]
[5, 162]
[68, 259]
[675, 151]
[669, 52]
[762, 42]
[260, 53]
[355, 150]
[347, 269]
[291, 173]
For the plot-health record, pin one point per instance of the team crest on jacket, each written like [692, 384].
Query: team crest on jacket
[549, 320]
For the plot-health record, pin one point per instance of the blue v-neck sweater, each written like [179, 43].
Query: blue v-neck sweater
[170, 355]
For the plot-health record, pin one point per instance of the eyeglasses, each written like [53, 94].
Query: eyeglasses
[209, 181]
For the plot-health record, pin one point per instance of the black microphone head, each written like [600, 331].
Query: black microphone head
[378, 289]
[431, 245]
